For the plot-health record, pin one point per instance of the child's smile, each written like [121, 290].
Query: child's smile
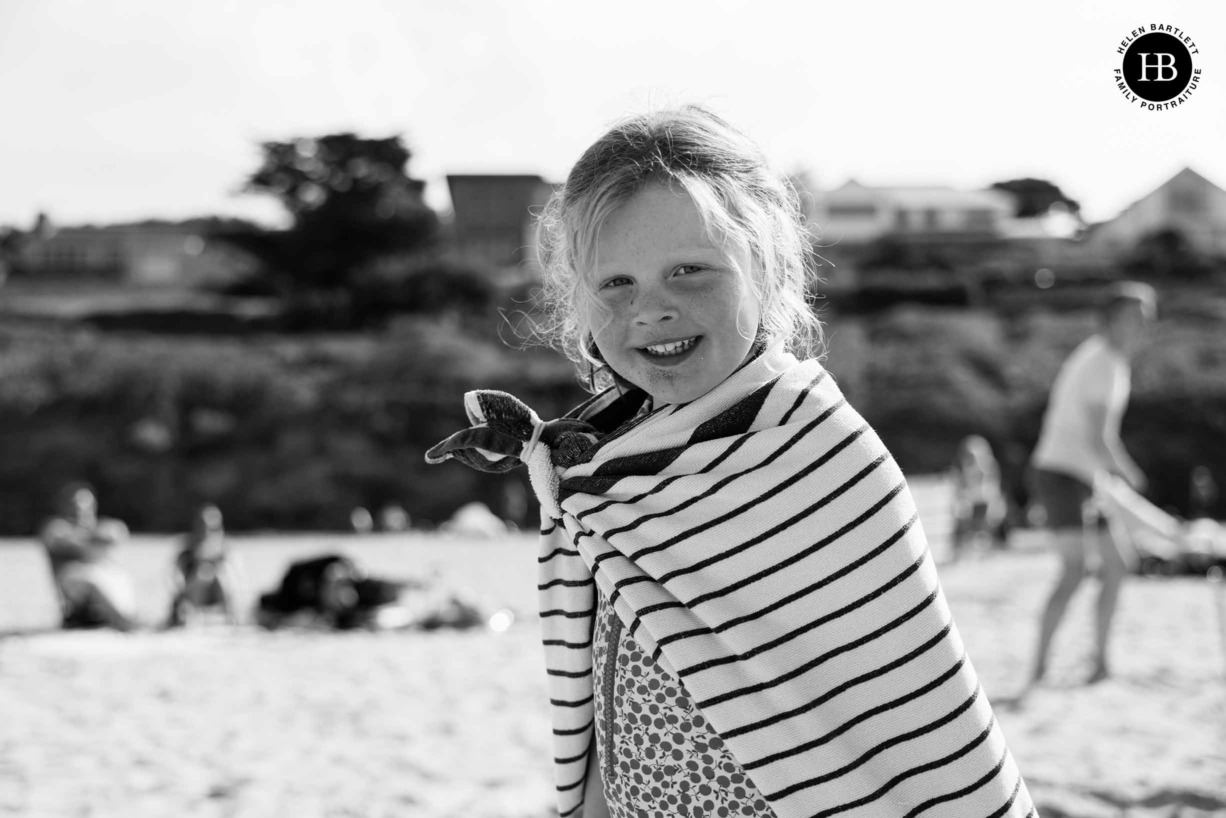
[672, 348]
[681, 316]
[671, 353]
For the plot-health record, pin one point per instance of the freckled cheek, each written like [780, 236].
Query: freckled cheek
[720, 310]
[613, 311]
[610, 333]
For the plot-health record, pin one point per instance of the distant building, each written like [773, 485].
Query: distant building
[493, 220]
[1187, 202]
[152, 253]
[856, 213]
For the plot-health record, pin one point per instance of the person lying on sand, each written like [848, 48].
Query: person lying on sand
[331, 591]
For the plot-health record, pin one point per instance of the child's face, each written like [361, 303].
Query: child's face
[681, 315]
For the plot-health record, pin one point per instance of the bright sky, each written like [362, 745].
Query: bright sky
[154, 108]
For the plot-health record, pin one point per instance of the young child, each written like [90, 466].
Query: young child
[205, 576]
[739, 609]
[978, 503]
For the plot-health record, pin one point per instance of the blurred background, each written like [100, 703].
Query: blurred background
[253, 254]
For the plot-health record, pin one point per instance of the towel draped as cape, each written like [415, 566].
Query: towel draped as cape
[763, 546]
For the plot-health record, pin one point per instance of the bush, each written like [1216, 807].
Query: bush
[423, 285]
[294, 431]
[280, 432]
[1166, 254]
[885, 293]
[934, 376]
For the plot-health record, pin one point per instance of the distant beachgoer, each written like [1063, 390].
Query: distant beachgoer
[1202, 492]
[1080, 438]
[394, 518]
[362, 520]
[93, 589]
[205, 577]
[329, 590]
[474, 519]
[978, 502]
[740, 612]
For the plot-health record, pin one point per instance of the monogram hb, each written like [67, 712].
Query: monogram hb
[1160, 64]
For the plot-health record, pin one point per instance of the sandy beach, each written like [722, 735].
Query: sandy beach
[220, 721]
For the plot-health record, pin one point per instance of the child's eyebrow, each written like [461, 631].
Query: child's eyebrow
[701, 248]
[680, 255]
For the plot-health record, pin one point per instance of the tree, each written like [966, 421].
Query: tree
[1167, 253]
[351, 202]
[1036, 196]
[10, 246]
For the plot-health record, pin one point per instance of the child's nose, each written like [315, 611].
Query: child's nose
[654, 307]
[656, 316]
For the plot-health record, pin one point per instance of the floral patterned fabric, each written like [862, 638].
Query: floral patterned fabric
[657, 755]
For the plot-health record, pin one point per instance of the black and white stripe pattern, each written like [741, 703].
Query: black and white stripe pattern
[763, 546]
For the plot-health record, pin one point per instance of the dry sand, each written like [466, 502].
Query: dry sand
[235, 722]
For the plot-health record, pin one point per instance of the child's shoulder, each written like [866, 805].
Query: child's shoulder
[814, 386]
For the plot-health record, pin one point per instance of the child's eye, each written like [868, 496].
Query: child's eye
[615, 281]
[689, 269]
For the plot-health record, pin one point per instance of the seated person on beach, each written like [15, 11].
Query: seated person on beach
[93, 590]
[204, 576]
[978, 503]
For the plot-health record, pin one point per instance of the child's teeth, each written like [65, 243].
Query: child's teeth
[671, 348]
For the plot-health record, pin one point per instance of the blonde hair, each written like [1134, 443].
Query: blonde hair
[740, 199]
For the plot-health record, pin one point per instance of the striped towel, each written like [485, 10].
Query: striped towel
[763, 546]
